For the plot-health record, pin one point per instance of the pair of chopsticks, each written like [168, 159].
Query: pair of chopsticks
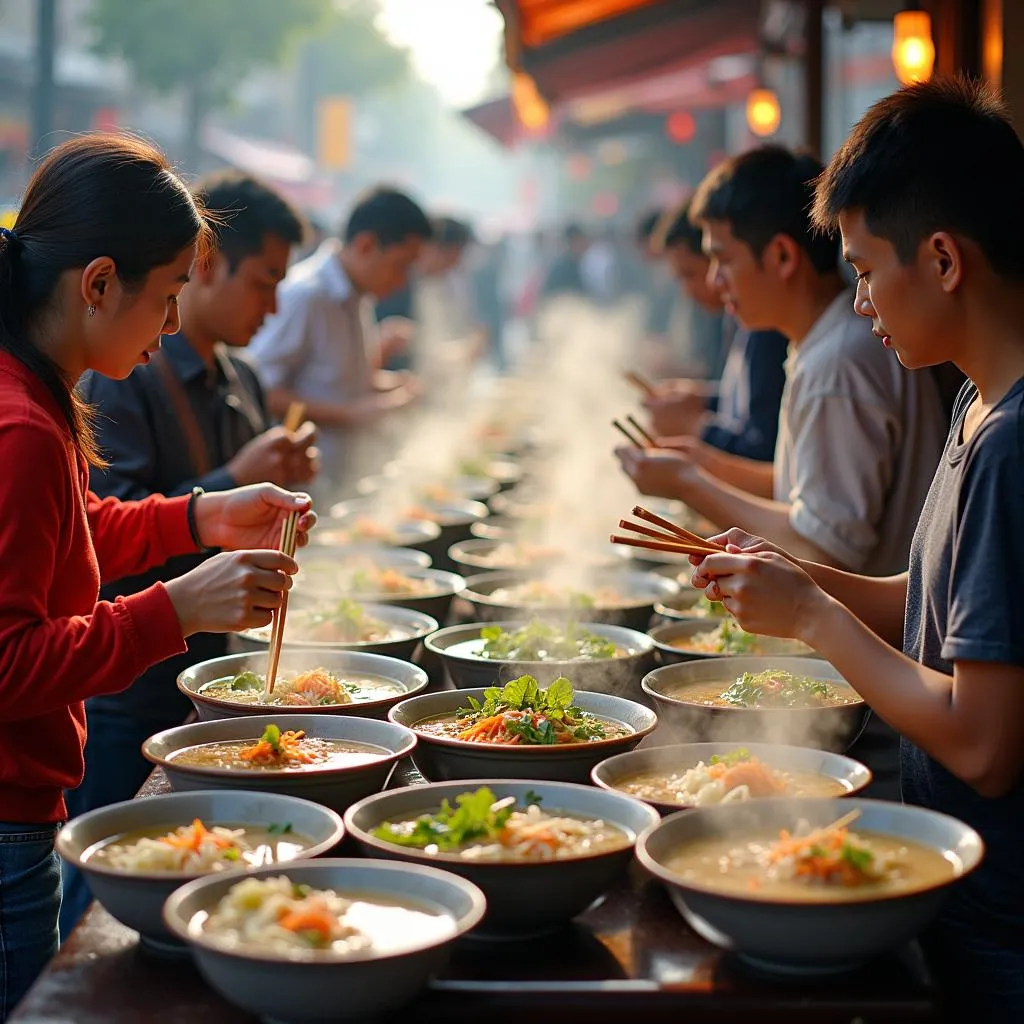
[669, 536]
[641, 439]
[295, 416]
[639, 381]
[289, 539]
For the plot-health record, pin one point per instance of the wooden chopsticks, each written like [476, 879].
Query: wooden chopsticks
[649, 441]
[639, 381]
[625, 432]
[670, 537]
[289, 538]
[295, 416]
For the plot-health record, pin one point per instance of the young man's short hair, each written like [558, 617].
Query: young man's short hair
[389, 215]
[763, 193]
[677, 229]
[450, 233]
[245, 210]
[646, 226]
[937, 156]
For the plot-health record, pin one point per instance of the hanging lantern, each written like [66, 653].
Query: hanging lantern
[681, 127]
[532, 111]
[913, 52]
[764, 115]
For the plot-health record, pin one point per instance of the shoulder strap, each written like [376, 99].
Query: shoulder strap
[198, 455]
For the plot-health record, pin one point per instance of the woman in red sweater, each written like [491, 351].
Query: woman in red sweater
[89, 279]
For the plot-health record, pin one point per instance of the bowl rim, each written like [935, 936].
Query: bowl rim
[670, 878]
[466, 511]
[515, 577]
[645, 685]
[686, 625]
[463, 924]
[418, 531]
[421, 683]
[85, 865]
[427, 627]
[523, 750]
[363, 836]
[407, 746]
[754, 747]
[355, 549]
[594, 627]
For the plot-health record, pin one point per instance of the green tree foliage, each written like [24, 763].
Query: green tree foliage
[203, 46]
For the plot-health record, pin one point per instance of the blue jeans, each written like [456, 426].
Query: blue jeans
[114, 771]
[29, 905]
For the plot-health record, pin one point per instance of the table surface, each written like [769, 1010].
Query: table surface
[630, 953]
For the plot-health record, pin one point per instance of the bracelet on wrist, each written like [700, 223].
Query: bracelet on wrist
[197, 492]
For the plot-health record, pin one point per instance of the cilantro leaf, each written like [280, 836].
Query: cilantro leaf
[272, 735]
[277, 829]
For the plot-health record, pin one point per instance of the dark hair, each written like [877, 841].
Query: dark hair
[451, 233]
[647, 225]
[97, 195]
[767, 192]
[390, 216]
[940, 155]
[676, 229]
[246, 211]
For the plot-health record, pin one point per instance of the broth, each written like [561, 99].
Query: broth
[322, 754]
[198, 848]
[827, 694]
[538, 594]
[728, 638]
[728, 864]
[275, 916]
[316, 688]
[691, 788]
[367, 579]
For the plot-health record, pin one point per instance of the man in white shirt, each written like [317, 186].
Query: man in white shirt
[859, 436]
[323, 348]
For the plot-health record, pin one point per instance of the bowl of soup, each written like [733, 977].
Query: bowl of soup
[506, 473]
[794, 701]
[135, 854]
[429, 591]
[541, 852]
[331, 759]
[599, 658]
[690, 775]
[617, 597]
[324, 940]
[688, 605]
[453, 518]
[444, 489]
[479, 555]
[511, 732]
[809, 886]
[718, 638]
[343, 624]
[309, 681]
[363, 527]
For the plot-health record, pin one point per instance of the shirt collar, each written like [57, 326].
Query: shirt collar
[837, 311]
[187, 363]
[332, 273]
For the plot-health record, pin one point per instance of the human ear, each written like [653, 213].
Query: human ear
[96, 281]
[944, 258]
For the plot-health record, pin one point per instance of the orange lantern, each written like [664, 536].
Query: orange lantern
[913, 52]
[764, 114]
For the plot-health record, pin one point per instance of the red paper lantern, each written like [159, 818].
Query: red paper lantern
[681, 127]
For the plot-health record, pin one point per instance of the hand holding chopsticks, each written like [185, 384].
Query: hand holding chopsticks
[289, 533]
[639, 381]
[635, 433]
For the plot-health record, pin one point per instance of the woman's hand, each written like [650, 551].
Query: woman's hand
[250, 517]
[661, 474]
[736, 541]
[231, 591]
[764, 590]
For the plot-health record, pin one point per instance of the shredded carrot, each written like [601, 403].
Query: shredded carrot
[310, 918]
[289, 749]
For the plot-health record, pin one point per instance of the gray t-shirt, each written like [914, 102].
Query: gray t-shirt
[859, 439]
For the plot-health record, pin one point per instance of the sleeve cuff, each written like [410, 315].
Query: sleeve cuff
[963, 649]
[155, 630]
[172, 526]
[812, 529]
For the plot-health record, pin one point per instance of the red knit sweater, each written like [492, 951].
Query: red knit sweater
[58, 644]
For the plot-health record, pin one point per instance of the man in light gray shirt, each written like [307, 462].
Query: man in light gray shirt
[322, 347]
[859, 436]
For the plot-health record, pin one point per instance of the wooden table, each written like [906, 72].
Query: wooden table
[632, 954]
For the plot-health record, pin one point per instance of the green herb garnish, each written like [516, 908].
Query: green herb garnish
[538, 641]
[232, 853]
[776, 688]
[276, 829]
[734, 757]
[477, 815]
[272, 735]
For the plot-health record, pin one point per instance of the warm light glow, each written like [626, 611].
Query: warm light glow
[913, 52]
[532, 111]
[764, 115]
[681, 127]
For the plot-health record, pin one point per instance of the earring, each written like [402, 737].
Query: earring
[91, 311]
